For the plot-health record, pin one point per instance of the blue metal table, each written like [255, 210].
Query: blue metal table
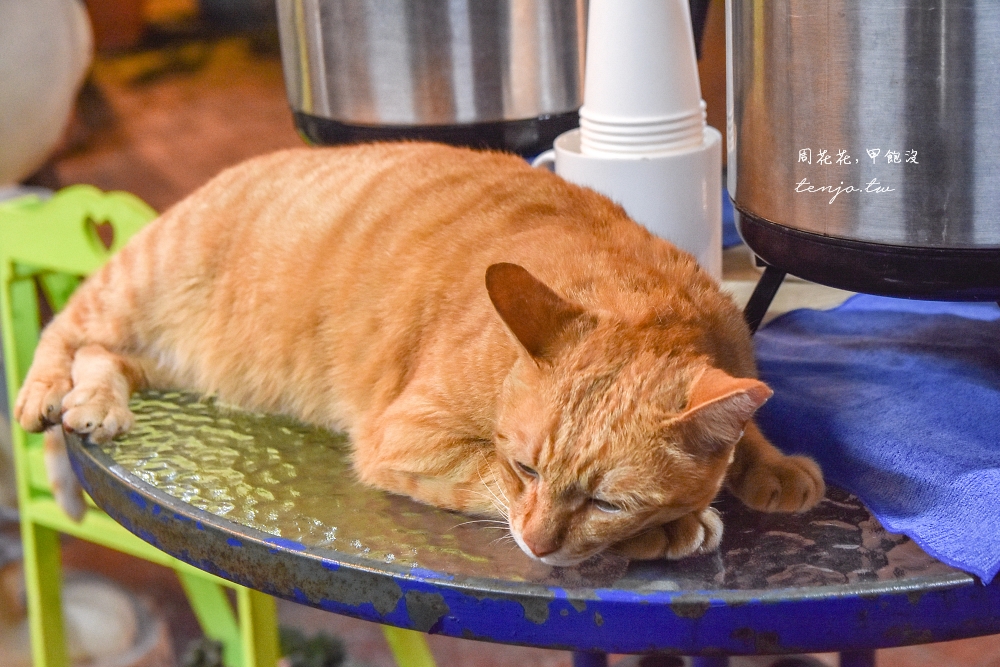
[271, 504]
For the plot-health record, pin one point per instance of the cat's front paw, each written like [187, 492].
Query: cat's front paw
[785, 484]
[97, 411]
[696, 533]
[39, 402]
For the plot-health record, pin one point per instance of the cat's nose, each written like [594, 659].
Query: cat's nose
[541, 547]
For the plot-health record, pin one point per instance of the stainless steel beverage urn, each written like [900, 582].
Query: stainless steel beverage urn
[863, 142]
[491, 73]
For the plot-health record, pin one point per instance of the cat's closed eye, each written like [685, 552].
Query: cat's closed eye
[527, 470]
[605, 506]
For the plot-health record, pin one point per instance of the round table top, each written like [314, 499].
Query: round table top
[272, 504]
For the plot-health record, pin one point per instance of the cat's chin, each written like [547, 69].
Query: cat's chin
[554, 559]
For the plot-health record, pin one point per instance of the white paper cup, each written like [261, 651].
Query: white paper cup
[641, 84]
[615, 138]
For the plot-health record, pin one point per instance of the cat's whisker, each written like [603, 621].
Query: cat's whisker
[502, 539]
[494, 521]
[501, 509]
[495, 480]
[499, 487]
[505, 512]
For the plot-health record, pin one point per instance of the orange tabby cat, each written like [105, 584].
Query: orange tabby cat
[495, 340]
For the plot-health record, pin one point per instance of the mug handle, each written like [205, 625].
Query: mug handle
[546, 160]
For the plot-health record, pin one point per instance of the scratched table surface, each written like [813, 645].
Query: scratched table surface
[272, 504]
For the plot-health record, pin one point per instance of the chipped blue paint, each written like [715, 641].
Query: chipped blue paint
[233, 542]
[137, 500]
[147, 536]
[421, 573]
[329, 564]
[365, 611]
[286, 544]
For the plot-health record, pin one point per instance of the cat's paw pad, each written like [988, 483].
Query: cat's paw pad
[696, 533]
[97, 412]
[788, 484]
[39, 402]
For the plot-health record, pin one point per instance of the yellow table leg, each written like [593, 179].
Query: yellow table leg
[259, 627]
[409, 647]
[42, 586]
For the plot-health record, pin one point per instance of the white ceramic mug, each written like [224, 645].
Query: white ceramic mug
[678, 197]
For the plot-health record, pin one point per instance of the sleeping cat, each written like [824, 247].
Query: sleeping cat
[495, 340]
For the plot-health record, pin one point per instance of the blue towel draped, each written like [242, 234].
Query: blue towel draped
[899, 402]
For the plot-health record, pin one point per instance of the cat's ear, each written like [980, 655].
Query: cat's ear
[719, 407]
[532, 312]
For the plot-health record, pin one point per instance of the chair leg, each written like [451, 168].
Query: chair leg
[215, 614]
[258, 628]
[709, 661]
[588, 659]
[857, 658]
[409, 647]
[763, 295]
[42, 586]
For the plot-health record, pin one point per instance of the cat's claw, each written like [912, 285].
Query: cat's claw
[39, 403]
[97, 412]
[788, 484]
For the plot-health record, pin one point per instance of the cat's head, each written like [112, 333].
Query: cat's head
[603, 429]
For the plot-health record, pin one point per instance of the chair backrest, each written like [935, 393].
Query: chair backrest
[46, 248]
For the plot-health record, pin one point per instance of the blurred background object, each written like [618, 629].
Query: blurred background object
[506, 74]
[45, 50]
[118, 24]
[238, 14]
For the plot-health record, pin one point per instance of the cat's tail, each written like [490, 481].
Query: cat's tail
[65, 486]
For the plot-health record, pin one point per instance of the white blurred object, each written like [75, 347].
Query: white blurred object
[45, 50]
[105, 626]
[643, 140]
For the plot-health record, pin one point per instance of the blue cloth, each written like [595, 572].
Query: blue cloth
[899, 402]
[730, 237]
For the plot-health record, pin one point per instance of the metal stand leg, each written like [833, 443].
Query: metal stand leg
[762, 296]
[710, 661]
[857, 659]
[586, 659]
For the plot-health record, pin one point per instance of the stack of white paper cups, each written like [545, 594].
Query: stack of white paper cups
[642, 139]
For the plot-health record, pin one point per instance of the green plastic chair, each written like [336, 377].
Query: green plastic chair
[51, 245]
